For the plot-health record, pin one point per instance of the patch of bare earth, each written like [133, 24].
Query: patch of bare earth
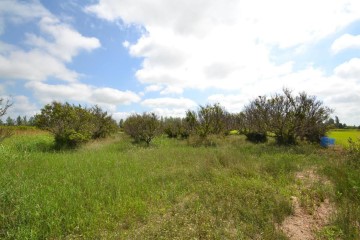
[304, 224]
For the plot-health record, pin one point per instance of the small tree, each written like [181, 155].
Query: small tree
[142, 128]
[256, 119]
[4, 106]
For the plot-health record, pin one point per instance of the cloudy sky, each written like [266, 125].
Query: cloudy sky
[168, 56]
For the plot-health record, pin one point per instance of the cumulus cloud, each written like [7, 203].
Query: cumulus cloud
[49, 51]
[221, 44]
[34, 65]
[169, 103]
[231, 45]
[106, 97]
[22, 106]
[64, 43]
[114, 96]
[346, 41]
[349, 69]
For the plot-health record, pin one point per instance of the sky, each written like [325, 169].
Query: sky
[168, 56]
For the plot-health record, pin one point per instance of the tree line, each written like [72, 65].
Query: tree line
[284, 116]
[287, 117]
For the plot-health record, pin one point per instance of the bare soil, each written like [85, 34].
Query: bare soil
[303, 225]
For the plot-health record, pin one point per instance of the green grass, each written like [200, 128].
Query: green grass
[342, 136]
[113, 189]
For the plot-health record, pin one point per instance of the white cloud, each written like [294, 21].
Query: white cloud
[222, 44]
[349, 69]
[22, 106]
[153, 88]
[169, 103]
[35, 65]
[21, 11]
[121, 115]
[107, 98]
[172, 90]
[114, 96]
[232, 103]
[65, 42]
[346, 41]
[49, 51]
[230, 45]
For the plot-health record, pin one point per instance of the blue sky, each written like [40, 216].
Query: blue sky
[169, 56]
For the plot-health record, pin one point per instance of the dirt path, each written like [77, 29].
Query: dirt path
[303, 225]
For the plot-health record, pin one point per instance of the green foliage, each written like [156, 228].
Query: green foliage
[174, 127]
[210, 120]
[73, 125]
[290, 118]
[104, 125]
[142, 128]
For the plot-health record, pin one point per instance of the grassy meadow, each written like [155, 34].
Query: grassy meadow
[113, 189]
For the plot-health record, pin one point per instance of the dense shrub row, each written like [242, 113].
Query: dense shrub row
[284, 116]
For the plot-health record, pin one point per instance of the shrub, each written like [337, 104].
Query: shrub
[104, 125]
[174, 127]
[73, 125]
[256, 137]
[288, 117]
[142, 128]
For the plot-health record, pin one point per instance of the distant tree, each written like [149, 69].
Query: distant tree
[337, 122]
[142, 128]
[1, 122]
[10, 121]
[19, 121]
[31, 121]
[25, 121]
[121, 123]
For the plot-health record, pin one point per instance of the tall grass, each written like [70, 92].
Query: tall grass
[114, 189]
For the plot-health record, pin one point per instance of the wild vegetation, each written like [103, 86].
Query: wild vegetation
[112, 187]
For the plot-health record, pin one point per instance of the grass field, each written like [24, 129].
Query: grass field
[342, 136]
[113, 189]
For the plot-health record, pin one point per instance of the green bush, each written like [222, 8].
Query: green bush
[142, 128]
[73, 125]
[290, 118]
